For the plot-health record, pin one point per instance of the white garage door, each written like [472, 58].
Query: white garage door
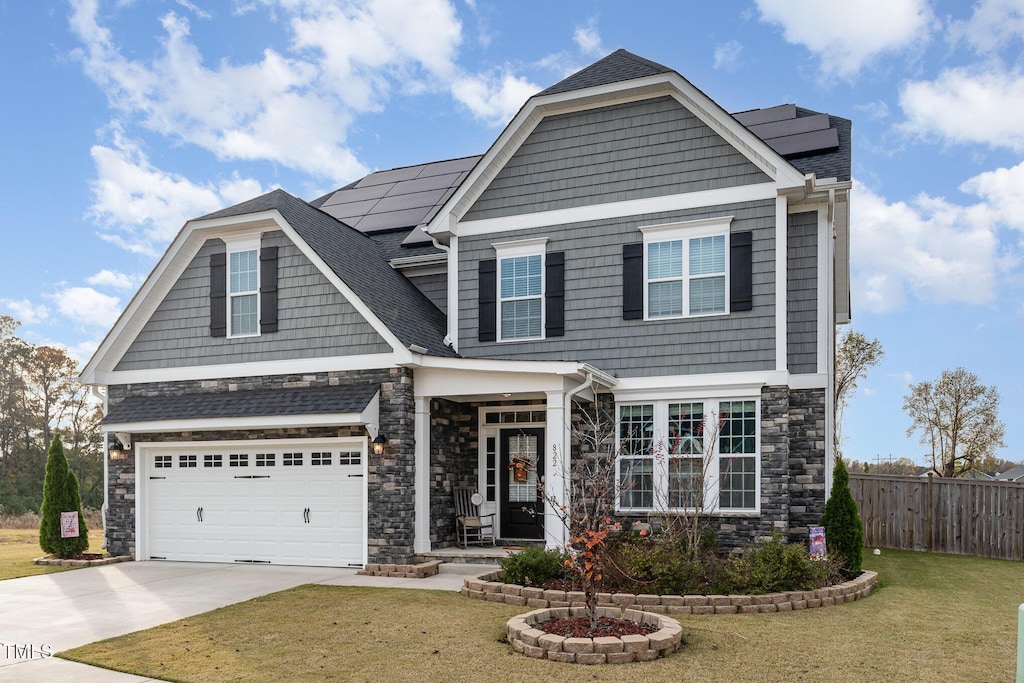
[282, 503]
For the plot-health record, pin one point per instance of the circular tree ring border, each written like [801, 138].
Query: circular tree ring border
[526, 638]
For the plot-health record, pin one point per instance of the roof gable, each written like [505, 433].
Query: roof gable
[618, 66]
[394, 306]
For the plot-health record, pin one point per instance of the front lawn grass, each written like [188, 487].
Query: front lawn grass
[935, 618]
[18, 547]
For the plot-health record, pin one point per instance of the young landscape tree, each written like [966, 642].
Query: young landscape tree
[60, 494]
[855, 355]
[958, 419]
[844, 536]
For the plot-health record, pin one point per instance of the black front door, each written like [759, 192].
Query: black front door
[522, 469]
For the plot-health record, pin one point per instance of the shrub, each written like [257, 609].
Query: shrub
[648, 565]
[533, 566]
[775, 566]
[60, 494]
[844, 536]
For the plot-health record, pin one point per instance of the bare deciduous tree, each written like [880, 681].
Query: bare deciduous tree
[958, 418]
[855, 355]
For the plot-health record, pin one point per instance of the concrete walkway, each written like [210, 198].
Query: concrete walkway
[55, 612]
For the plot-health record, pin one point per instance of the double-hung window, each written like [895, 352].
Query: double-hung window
[688, 454]
[243, 289]
[520, 290]
[686, 268]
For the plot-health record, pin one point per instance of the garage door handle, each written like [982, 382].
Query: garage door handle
[355, 475]
[305, 516]
[199, 514]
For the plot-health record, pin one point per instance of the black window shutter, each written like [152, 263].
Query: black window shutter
[554, 294]
[741, 276]
[487, 288]
[218, 296]
[633, 281]
[268, 289]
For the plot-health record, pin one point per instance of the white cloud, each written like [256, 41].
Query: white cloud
[979, 104]
[1002, 192]
[495, 96]
[26, 312]
[845, 35]
[930, 248]
[588, 40]
[296, 109]
[142, 206]
[993, 24]
[903, 377]
[727, 55]
[114, 279]
[875, 111]
[87, 306]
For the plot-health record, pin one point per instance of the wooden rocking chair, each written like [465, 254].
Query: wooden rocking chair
[470, 525]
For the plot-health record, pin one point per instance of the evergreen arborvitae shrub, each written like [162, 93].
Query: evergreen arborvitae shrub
[60, 494]
[844, 535]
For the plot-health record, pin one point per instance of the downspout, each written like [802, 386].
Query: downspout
[94, 389]
[451, 321]
[564, 487]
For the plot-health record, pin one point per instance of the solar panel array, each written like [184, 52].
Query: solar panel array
[788, 132]
[399, 198]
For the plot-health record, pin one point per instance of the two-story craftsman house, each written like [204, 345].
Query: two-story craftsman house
[624, 242]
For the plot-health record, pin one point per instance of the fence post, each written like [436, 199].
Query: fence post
[928, 516]
[1020, 644]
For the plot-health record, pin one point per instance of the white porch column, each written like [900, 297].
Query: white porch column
[421, 478]
[556, 468]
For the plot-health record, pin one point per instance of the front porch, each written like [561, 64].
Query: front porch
[504, 434]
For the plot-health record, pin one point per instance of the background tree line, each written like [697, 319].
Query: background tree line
[955, 416]
[40, 397]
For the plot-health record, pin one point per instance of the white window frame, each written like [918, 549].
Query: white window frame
[516, 249]
[235, 246]
[683, 232]
[660, 456]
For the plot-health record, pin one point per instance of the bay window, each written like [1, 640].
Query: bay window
[688, 455]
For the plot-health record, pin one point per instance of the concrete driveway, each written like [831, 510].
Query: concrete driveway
[54, 612]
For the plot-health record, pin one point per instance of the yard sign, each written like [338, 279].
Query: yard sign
[69, 525]
[817, 549]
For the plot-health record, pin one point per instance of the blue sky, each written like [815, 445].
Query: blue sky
[121, 120]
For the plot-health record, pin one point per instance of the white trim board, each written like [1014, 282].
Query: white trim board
[610, 210]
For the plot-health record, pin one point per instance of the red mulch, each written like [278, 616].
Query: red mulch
[579, 627]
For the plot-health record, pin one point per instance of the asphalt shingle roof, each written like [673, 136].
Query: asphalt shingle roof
[618, 66]
[352, 398]
[362, 265]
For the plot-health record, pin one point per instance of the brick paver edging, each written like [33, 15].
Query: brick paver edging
[487, 587]
[402, 571]
[57, 562]
[532, 642]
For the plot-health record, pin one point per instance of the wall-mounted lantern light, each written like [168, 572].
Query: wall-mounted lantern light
[116, 449]
[379, 443]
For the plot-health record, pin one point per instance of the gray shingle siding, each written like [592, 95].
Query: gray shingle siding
[435, 287]
[314, 319]
[594, 329]
[617, 153]
[802, 293]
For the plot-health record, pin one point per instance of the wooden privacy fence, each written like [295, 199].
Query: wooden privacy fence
[965, 517]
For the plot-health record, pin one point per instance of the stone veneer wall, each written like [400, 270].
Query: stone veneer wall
[453, 462]
[806, 460]
[390, 483]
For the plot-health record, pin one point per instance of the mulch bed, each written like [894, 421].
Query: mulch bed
[579, 627]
